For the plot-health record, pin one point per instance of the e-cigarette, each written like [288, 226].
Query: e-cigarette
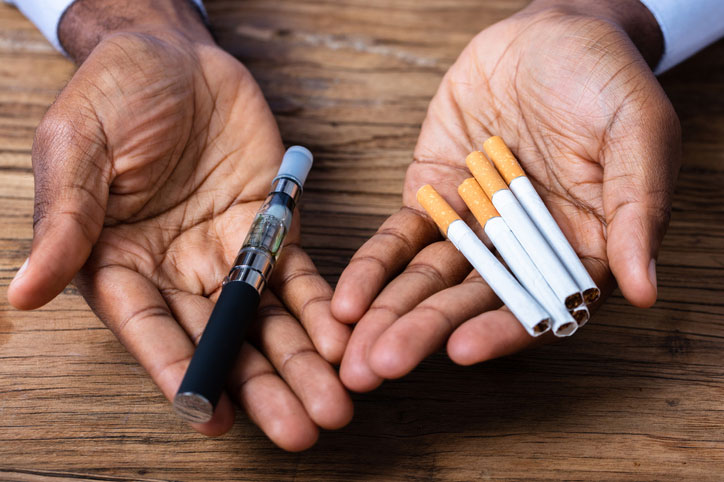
[236, 307]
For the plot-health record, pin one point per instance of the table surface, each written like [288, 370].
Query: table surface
[638, 394]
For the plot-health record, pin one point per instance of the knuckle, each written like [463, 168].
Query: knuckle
[270, 311]
[395, 236]
[440, 315]
[306, 275]
[53, 126]
[386, 310]
[41, 208]
[145, 315]
[310, 303]
[69, 127]
[428, 271]
[295, 356]
[370, 261]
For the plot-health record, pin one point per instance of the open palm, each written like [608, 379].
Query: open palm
[149, 169]
[594, 131]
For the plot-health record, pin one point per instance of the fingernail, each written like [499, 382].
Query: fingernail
[21, 271]
[652, 275]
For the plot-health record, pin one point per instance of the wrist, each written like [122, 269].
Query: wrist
[631, 16]
[87, 22]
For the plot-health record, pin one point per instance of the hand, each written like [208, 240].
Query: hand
[149, 169]
[570, 93]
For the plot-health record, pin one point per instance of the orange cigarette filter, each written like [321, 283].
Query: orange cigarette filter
[485, 173]
[504, 160]
[477, 201]
[438, 209]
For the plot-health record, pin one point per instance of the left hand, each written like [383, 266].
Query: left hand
[570, 93]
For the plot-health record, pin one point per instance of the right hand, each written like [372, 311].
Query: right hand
[148, 169]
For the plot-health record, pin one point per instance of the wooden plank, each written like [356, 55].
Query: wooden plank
[635, 396]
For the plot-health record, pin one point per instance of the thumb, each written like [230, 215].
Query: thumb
[641, 161]
[71, 192]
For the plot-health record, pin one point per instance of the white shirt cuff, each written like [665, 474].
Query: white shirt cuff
[687, 26]
[46, 15]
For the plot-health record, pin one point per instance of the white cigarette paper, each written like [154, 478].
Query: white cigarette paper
[537, 248]
[524, 307]
[524, 229]
[538, 212]
[581, 315]
[514, 175]
[525, 270]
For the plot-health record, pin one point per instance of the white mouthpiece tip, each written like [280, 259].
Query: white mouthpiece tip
[296, 163]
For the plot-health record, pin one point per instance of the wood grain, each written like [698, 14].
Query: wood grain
[643, 390]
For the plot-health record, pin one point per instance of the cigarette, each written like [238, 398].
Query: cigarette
[508, 166]
[524, 307]
[582, 315]
[515, 256]
[530, 238]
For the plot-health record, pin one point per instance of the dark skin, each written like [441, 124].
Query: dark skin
[154, 158]
[149, 168]
[567, 87]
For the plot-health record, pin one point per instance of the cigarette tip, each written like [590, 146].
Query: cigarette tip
[494, 142]
[477, 201]
[503, 158]
[475, 157]
[542, 327]
[573, 301]
[581, 315]
[438, 209]
[566, 329]
[469, 185]
[485, 173]
[591, 295]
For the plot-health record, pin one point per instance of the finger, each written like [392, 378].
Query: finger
[489, 335]
[307, 296]
[267, 399]
[270, 403]
[132, 307]
[399, 238]
[424, 329]
[283, 341]
[497, 333]
[435, 268]
[71, 192]
[640, 164]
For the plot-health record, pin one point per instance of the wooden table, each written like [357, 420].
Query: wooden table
[643, 392]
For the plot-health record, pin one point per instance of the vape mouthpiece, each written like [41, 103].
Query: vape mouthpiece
[296, 164]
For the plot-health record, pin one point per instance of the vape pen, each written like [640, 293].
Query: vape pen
[236, 307]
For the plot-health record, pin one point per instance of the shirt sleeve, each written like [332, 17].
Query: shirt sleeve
[687, 26]
[46, 15]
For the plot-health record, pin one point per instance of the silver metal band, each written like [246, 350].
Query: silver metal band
[255, 258]
[288, 186]
[247, 275]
